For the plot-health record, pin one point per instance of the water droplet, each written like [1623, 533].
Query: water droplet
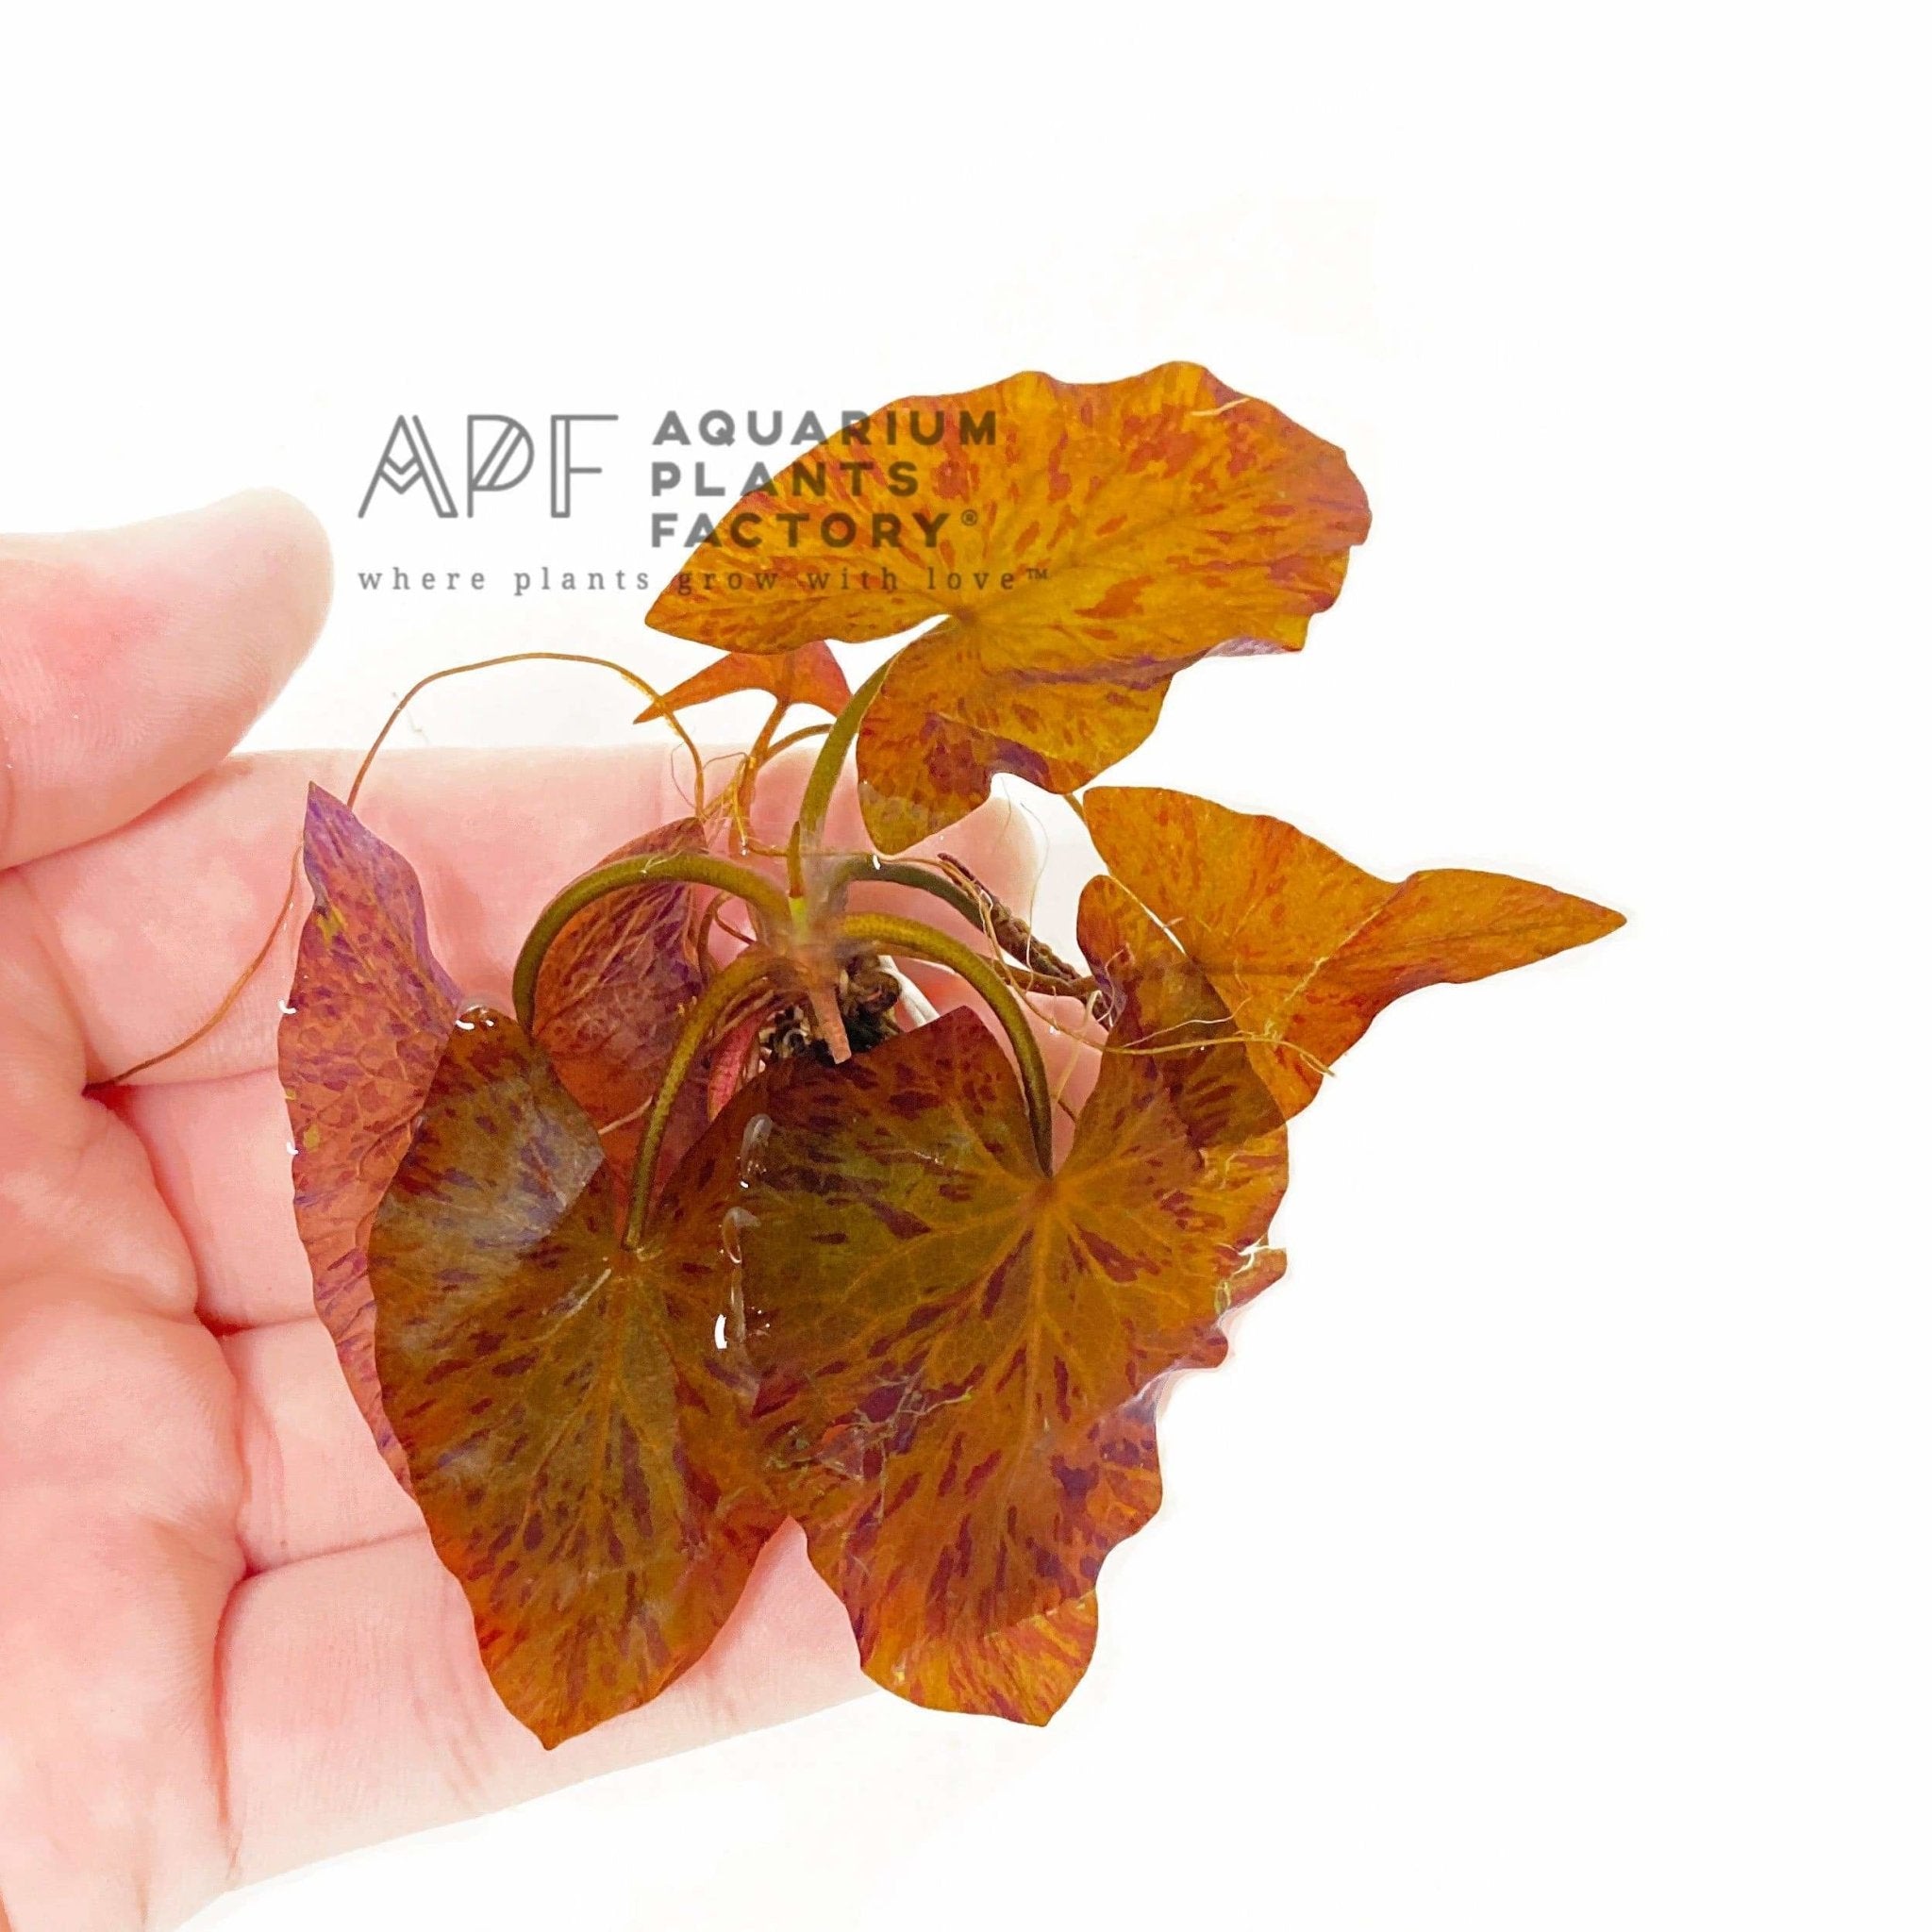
[293, 1150]
[718, 1335]
[466, 1025]
[730, 1230]
[751, 1148]
[288, 1012]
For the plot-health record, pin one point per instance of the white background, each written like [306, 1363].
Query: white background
[1553, 1553]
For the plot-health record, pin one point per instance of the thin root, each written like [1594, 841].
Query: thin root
[229, 999]
[630, 676]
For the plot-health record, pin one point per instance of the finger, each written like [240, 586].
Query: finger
[355, 1705]
[152, 926]
[218, 1153]
[311, 1482]
[117, 1493]
[132, 659]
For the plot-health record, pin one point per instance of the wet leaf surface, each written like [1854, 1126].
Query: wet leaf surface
[1107, 536]
[960, 1354]
[1305, 948]
[572, 1412]
[368, 1015]
[807, 674]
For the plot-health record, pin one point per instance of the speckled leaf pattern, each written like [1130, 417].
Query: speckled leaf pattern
[809, 674]
[1105, 538]
[958, 1352]
[572, 1412]
[1305, 948]
[611, 999]
[1023, 1673]
[368, 1015]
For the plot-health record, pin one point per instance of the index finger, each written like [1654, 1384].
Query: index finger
[132, 659]
[151, 925]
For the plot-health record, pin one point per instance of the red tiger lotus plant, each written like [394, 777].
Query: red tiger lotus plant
[721, 1227]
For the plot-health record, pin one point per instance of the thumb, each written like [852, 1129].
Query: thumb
[131, 661]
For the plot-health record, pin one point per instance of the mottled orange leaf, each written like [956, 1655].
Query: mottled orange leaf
[1023, 1673]
[363, 1028]
[1103, 537]
[960, 1352]
[1305, 948]
[610, 998]
[807, 675]
[572, 1411]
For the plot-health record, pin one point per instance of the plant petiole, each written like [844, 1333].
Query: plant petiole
[687, 868]
[707, 1011]
[1034, 974]
[824, 780]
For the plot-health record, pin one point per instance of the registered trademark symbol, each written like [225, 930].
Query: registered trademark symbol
[969, 516]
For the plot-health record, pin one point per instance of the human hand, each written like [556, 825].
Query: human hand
[227, 1645]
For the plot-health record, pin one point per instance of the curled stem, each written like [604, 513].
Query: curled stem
[686, 868]
[708, 1010]
[630, 676]
[912, 940]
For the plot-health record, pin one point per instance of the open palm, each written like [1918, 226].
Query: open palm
[226, 1642]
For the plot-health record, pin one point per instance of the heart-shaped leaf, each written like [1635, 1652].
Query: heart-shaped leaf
[958, 1352]
[1082, 544]
[807, 674]
[370, 1012]
[364, 1026]
[572, 1411]
[1305, 948]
